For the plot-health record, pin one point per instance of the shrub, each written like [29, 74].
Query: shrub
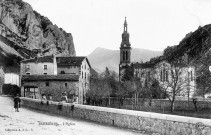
[9, 89]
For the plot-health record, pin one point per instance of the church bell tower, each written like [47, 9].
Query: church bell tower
[125, 51]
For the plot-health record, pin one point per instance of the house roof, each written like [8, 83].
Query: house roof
[60, 77]
[93, 72]
[71, 61]
[39, 60]
[143, 65]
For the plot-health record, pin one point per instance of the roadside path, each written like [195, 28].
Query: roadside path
[31, 122]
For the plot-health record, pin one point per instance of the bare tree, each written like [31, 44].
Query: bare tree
[177, 82]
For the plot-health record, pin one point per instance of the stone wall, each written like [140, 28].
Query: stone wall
[157, 104]
[151, 122]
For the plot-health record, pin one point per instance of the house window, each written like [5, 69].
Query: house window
[167, 76]
[65, 84]
[47, 84]
[27, 68]
[148, 76]
[62, 72]
[82, 74]
[28, 73]
[191, 75]
[164, 75]
[85, 75]
[45, 73]
[85, 67]
[45, 67]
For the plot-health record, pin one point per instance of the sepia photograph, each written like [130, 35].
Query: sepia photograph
[105, 67]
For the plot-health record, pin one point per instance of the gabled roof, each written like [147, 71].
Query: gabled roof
[60, 77]
[71, 61]
[48, 59]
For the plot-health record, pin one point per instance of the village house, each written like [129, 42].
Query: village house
[76, 66]
[33, 86]
[12, 75]
[55, 75]
[39, 66]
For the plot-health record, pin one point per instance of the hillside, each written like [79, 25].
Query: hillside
[23, 30]
[194, 45]
[101, 58]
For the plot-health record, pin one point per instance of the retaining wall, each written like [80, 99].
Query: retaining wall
[151, 122]
[157, 104]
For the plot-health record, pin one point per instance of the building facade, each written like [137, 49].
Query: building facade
[39, 66]
[168, 76]
[12, 78]
[33, 86]
[76, 66]
[2, 76]
[56, 75]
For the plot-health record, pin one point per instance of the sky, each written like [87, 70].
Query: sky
[152, 24]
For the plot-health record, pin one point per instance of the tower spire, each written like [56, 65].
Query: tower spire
[125, 24]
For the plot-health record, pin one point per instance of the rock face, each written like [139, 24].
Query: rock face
[28, 29]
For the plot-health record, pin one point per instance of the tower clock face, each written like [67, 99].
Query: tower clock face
[125, 45]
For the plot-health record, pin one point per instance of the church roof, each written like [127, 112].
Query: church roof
[143, 65]
[125, 23]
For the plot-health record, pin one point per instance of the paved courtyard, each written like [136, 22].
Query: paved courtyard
[31, 122]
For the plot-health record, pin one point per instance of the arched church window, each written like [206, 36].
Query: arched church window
[123, 55]
[126, 55]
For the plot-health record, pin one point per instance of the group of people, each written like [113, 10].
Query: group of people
[46, 98]
[63, 99]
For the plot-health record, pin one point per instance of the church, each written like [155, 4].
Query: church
[149, 71]
[125, 52]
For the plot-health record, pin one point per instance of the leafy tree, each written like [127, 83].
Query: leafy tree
[128, 73]
[102, 87]
[203, 79]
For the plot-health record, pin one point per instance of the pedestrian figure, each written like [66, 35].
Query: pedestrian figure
[17, 101]
[64, 98]
[43, 99]
[50, 97]
[194, 102]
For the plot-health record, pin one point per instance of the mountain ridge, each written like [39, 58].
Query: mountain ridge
[101, 58]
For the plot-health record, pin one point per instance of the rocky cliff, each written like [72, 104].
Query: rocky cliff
[29, 30]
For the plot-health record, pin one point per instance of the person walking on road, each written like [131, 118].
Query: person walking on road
[17, 101]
